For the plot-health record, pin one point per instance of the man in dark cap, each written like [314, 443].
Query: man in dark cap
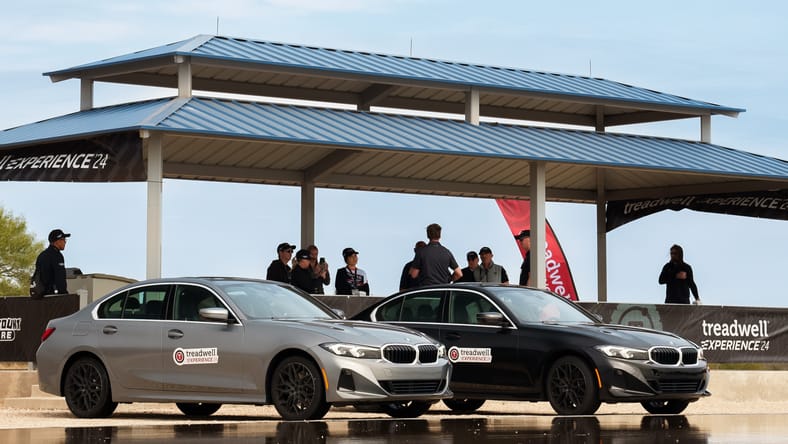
[279, 270]
[524, 237]
[350, 279]
[302, 272]
[51, 266]
[489, 271]
[470, 273]
[405, 281]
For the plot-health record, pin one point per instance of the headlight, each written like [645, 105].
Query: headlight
[615, 351]
[441, 350]
[352, 350]
[700, 355]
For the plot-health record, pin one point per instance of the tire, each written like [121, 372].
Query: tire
[464, 405]
[406, 409]
[200, 409]
[87, 390]
[669, 407]
[297, 390]
[571, 387]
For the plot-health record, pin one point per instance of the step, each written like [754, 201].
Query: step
[36, 403]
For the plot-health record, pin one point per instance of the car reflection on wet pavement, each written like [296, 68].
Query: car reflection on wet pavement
[509, 429]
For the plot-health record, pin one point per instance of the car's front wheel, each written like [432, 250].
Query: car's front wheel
[297, 390]
[463, 405]
[87, 389]
[406, 409]
[665, 407]
[570, 387]
[197, 408]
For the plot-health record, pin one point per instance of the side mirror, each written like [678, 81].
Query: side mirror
[491, 318]
[215, 314]
[339, 312]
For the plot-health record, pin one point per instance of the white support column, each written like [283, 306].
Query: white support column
[538, 238]
[184, 76]
[705, 128]
[155, 176]
[85, 94]
[472, 106]
[601, 237]
[307, 213]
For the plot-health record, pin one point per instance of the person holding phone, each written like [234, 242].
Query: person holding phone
[320, 274]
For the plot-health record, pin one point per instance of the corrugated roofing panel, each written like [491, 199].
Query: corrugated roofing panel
[382, 66]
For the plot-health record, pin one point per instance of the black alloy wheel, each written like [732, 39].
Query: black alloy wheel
[297, 390]
[87, 389]
[571, 387]
[406, 409]
[665, 407]
[464, 405]
[199, 409]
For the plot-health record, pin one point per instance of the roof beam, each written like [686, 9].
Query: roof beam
[706, 188]
[112, 70]
[374, 94]
[230, 174]
[643, 117]
[327, 164]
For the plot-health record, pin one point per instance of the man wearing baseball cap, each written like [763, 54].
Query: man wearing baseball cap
[51, 266]
[524, 237]
[350, 279]
[279, 270]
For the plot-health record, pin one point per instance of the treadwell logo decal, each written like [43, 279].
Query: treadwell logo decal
[192, 356]
[462, 354]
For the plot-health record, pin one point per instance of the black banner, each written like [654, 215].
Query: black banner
[726, 334]
[111, 158]
[766, 204]
[23, 320]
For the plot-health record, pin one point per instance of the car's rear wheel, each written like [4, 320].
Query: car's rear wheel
[406, 409]
[570, 387]
[198, 408]
[87, 389]
[297, 390]
[464, 405]
[665, 407]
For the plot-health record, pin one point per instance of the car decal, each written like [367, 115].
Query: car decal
[464, 354]
[192, 356]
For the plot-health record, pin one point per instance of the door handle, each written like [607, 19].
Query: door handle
[109, 330]
[453, 336]
[174, 334]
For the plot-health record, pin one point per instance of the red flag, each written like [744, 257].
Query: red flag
[559, 278]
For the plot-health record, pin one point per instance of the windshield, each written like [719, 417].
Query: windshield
[538, 306]
[260, 300]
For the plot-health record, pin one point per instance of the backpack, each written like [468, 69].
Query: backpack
[37, 288]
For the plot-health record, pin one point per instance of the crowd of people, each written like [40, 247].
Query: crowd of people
[432, 264]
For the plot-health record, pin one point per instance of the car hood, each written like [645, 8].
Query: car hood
[356, 332]
[613, 334]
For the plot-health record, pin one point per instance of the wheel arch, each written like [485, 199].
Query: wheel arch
[76, 356]
[555, 356]
[281, 356]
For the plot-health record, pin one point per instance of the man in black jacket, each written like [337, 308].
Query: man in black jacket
[51, 265]
[678, 277]
[279, 270]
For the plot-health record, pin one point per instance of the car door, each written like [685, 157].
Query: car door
[201, 355]
[130, 337]
[484, 357]
[419, 310]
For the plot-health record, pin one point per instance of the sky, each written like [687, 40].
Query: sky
[724, 52]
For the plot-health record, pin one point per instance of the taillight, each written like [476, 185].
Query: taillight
[47, 333]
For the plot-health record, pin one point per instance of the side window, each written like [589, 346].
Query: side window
[112, 308]
[465, 305]
[423, 306]
[390, 311]
[145, 302]
[188, 301]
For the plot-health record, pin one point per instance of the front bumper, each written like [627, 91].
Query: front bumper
[637, 381]
[353, 380]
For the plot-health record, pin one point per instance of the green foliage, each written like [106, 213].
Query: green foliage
[18, 252]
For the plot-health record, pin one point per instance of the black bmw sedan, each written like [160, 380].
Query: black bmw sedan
[517, 343]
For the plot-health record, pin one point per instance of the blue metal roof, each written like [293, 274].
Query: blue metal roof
[390, 67]
[386, 132]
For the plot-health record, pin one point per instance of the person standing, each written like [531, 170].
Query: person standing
[320, 274]
[490, 271]
[434, 264]
[471, 272]
[524, 237]
[302, 272]
[280, 270]
[678, 277]
[405, 281]
[351, 280]
[51, 265]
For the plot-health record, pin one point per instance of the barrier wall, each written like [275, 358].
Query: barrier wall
[23, 320]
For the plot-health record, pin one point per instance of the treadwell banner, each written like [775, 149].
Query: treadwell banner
[111, 158]
[559, 277]
[766, 204]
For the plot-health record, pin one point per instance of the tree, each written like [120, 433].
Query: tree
[18, 252]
